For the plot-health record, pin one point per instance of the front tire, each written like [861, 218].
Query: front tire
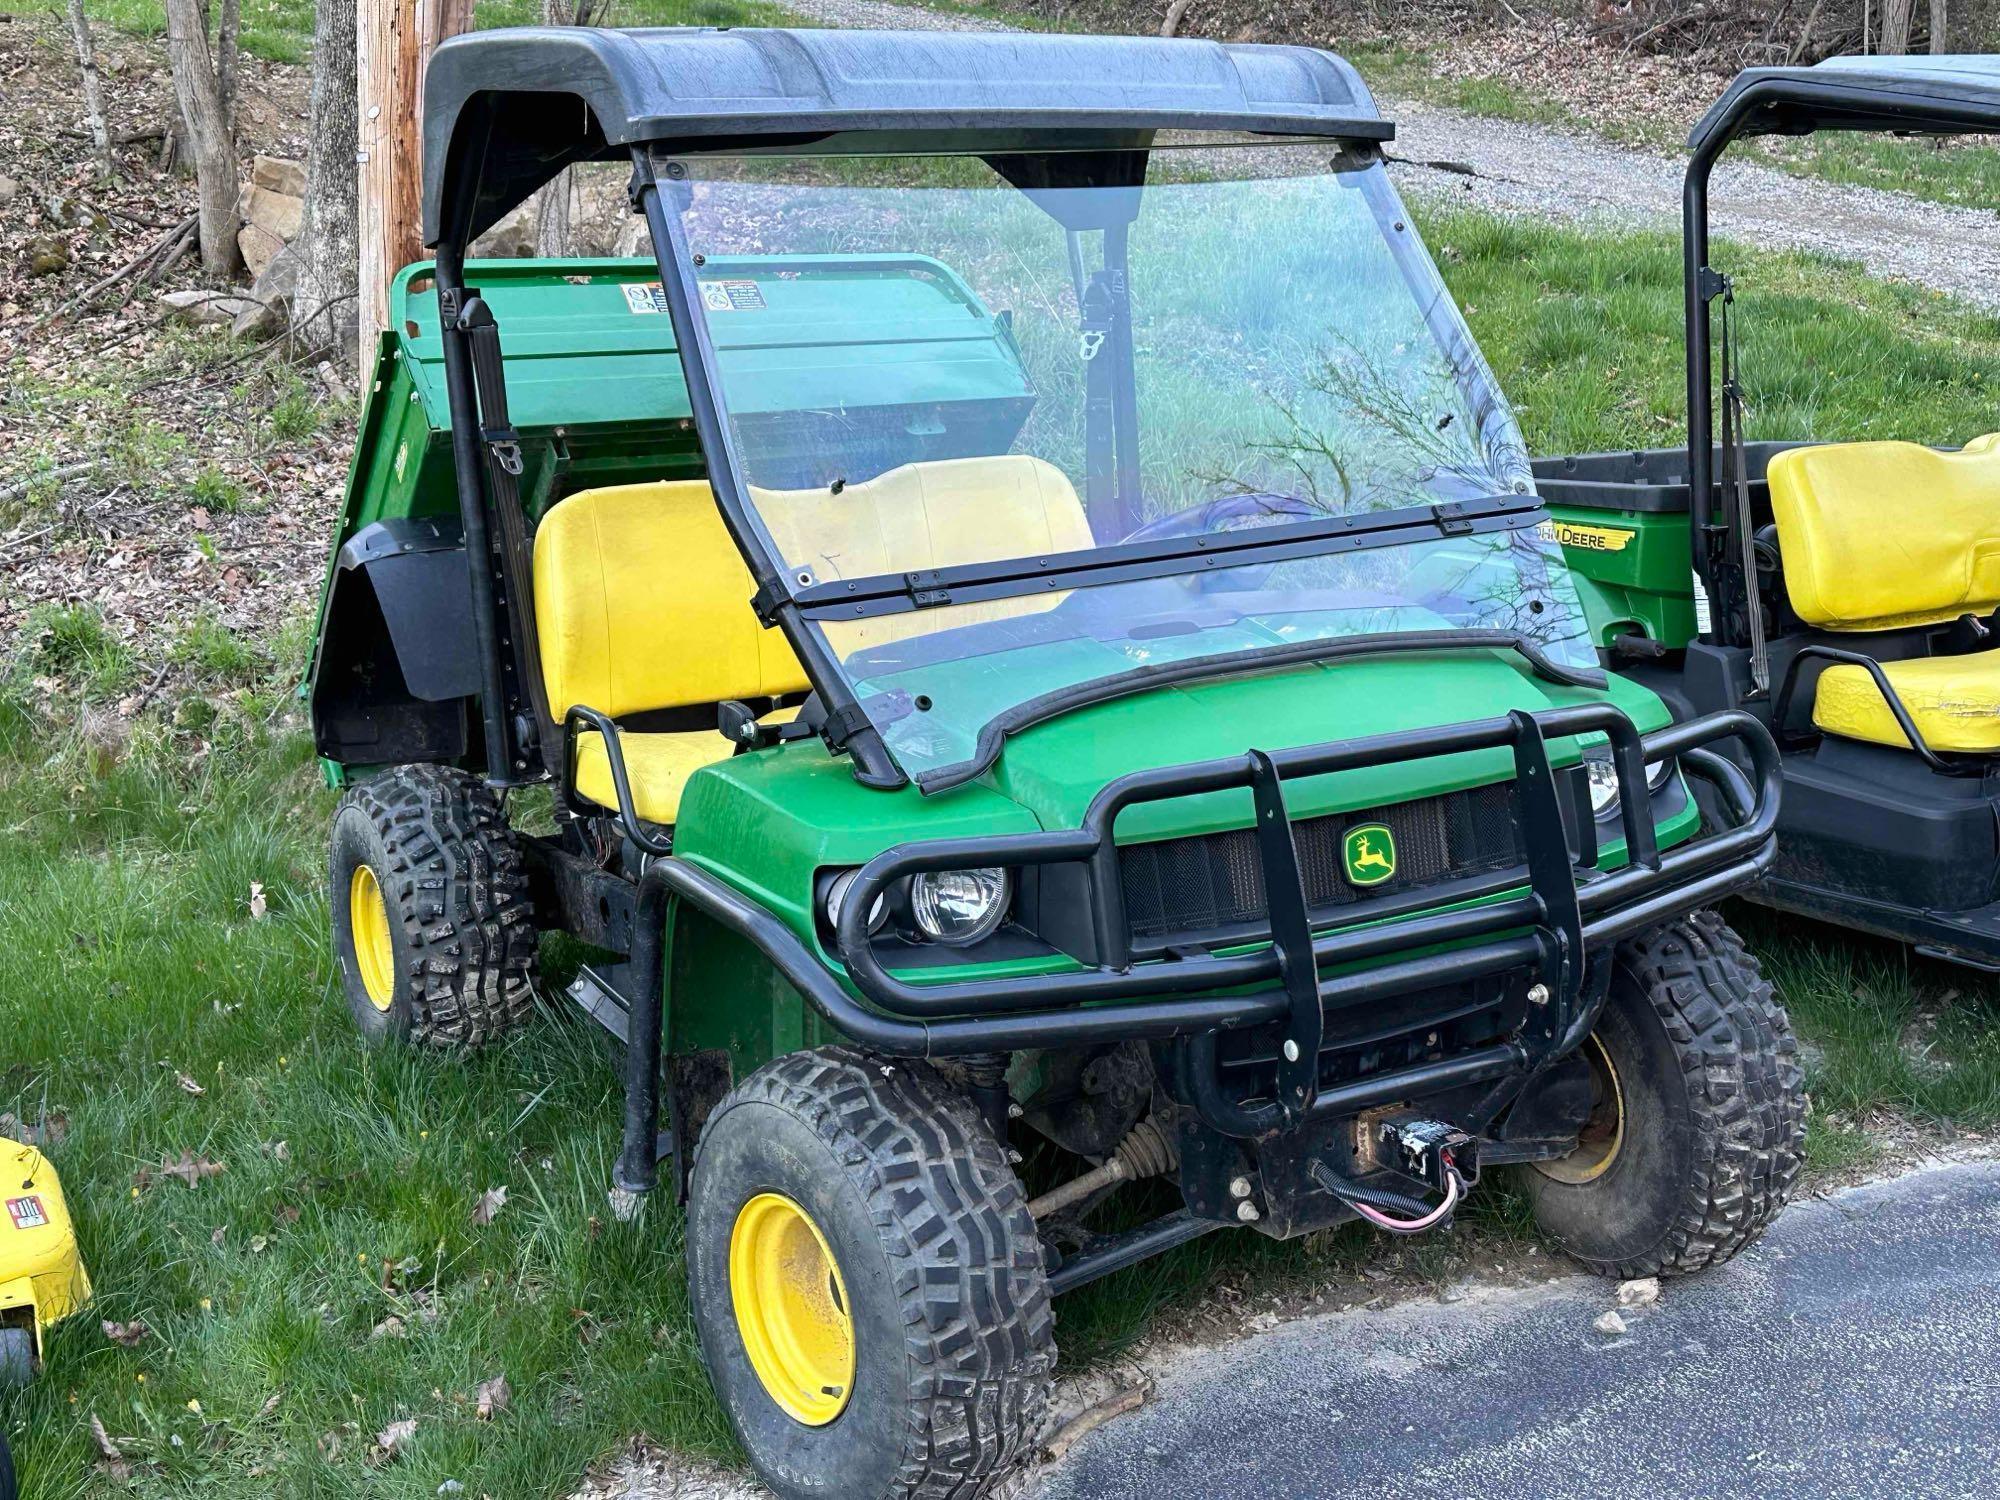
[866, 1282]
[432, 925]
[1698, 1126]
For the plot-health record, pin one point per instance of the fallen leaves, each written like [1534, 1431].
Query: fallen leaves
[493, 1397]
[190, 1169]
[188, 1085]
[490, 1203]
[110, 1457]
[391, 1440]
[48, 1131]
[126, 1335]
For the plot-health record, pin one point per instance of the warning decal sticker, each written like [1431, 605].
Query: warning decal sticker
[27, 1213]
[645, 297]
[732, 296]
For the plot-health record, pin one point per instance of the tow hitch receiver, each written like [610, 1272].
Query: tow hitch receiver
[1400, 1140]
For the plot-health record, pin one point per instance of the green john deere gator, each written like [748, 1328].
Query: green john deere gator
[1038, 622]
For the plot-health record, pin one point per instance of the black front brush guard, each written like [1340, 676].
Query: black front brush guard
[1548, 929]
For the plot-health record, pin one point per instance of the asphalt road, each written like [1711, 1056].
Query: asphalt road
[1854, 1352]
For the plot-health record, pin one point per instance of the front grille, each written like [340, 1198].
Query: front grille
[1196, 885]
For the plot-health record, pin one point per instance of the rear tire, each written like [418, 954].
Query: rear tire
[7, 1490]
[17, 1358]
[1709, 1101]
[934, 1264]
[432, 925]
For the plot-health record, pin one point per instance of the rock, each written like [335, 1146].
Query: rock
[260, 247]
[9, 189]
[279, 174]
[1610, 1324]
[46, 255]
[280, 213]
[258, 320]
[1641, 1293]
[207, 307]
[513, 236]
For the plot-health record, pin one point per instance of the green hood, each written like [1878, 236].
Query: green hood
[1054, 770]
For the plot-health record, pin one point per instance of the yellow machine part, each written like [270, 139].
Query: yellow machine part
[42, 1280]
[1878, 536]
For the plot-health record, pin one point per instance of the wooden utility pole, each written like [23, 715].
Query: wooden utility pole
[394, 40]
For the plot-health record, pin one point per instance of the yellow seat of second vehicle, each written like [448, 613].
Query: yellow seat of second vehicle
[1886, 536]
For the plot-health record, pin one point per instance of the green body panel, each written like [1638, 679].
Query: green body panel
[1644, 586]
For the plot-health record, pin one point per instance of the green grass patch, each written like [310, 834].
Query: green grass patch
[1961, 171]
[281, 30]
[1585, 333]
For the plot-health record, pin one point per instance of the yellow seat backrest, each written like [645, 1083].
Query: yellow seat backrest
[1876, 536]
[643, 602]
[928, 515]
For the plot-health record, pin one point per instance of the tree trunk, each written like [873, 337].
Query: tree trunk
[226, 55]
[1896, 27]
[555, 204]
[199, 92]
[1938, 28]
[323, 302]
[393, 42]
[93, 88]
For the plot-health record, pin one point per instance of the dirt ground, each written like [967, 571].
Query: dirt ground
[140, 472]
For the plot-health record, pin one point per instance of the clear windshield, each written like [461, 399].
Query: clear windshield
[928, 362]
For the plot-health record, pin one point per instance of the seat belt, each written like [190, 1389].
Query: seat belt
[1737, 478]
[503, 475]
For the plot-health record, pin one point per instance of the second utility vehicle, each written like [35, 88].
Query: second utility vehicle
[1038, 622]
[1845, 594]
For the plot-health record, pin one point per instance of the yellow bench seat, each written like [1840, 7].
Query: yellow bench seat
[657, 765]
[1953, 700]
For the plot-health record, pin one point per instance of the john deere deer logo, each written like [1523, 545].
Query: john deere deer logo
[1368, 854]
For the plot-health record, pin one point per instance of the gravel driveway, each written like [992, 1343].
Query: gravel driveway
[1513, 167]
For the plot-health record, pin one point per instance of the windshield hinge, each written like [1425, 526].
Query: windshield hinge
[1450, 521]
[926, 589]
[764, 603]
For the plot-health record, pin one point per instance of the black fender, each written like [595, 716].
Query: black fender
[395, 676]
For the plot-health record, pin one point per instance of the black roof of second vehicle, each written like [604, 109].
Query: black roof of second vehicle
[1918, 94]
[554, 95]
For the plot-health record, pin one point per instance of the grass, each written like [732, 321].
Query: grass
[281, 30]
[136, 863]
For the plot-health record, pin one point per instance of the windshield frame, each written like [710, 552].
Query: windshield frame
[795, 604]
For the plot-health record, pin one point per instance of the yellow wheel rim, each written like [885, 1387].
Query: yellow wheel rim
[1603, 1134]
[791, 1309]
[368, 923]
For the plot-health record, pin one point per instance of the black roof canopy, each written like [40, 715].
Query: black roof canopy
[509, 109]
[1929, 95]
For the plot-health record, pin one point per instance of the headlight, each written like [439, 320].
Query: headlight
[958, 907]
[836, 894]
[1603, 779]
